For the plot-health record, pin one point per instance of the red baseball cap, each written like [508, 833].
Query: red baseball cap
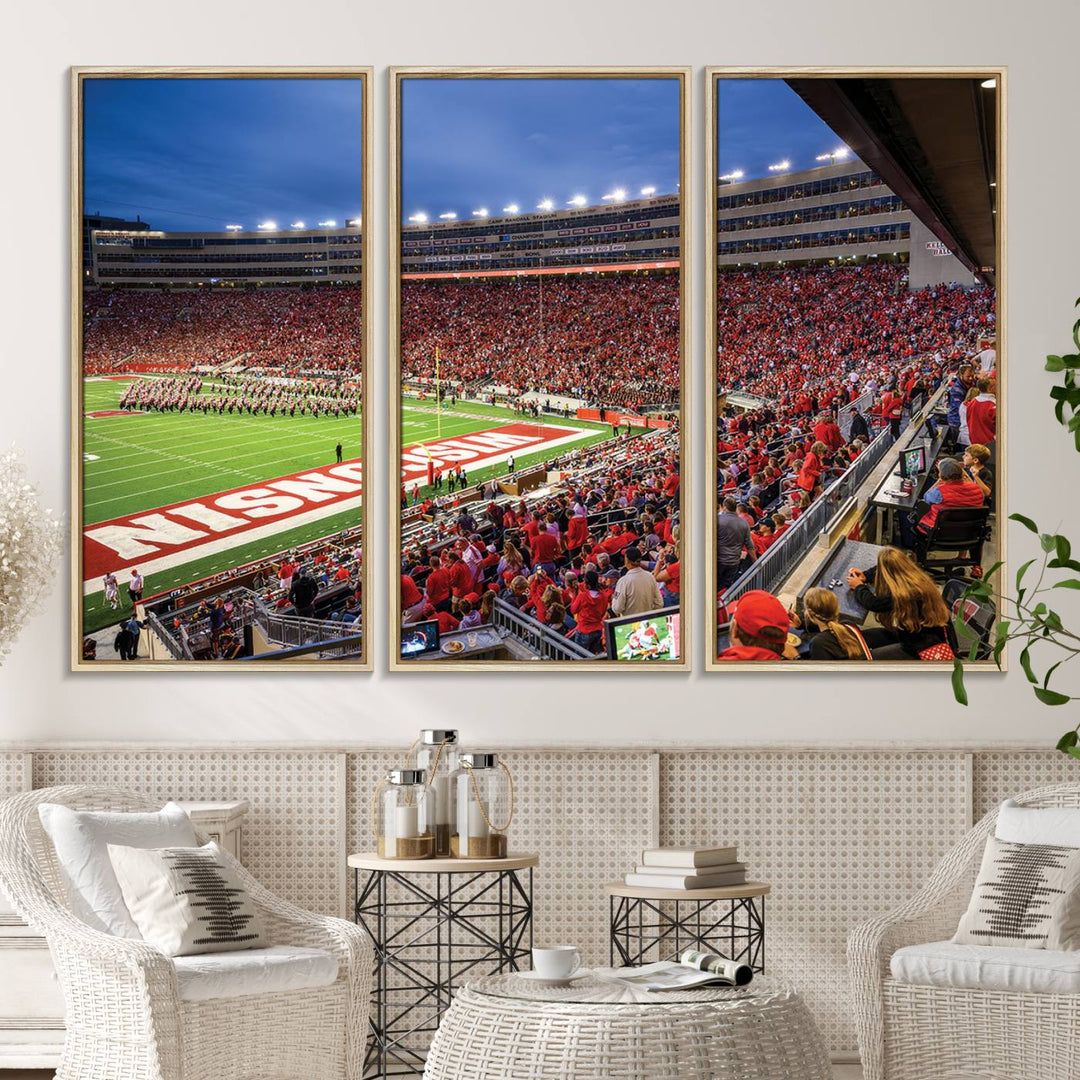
[756, 610]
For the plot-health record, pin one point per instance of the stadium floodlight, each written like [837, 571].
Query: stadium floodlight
[297, 225]
[420, 217]
[482, 212]
[269, 226]
[513, 208]
[780, 166]
[989, 84]
[834, 156]
[576, 200]
[545, 204]
[352, 223]
[327, 224]
[448, 216]
[735, 174]
[618, 195]
[650, 190]
[235, 228]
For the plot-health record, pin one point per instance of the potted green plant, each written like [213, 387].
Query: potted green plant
[1027, 616]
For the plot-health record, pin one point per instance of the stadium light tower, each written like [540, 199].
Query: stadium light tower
[268, 226]
[328, 224]
[234, 228]
[650, 190]
[735, 174]
[297, 225]
[834, 156]
[780, 166]
[618, 195]
[545, 204]
[481, 213]
[448, 216]
[419, 217]
[513, 208]
[576, 200]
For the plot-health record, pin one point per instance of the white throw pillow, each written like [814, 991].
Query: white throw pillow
[1057, 825]
[80, 839]
[1025, 896]
[187, 900]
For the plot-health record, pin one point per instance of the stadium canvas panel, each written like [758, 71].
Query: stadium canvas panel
[855, 341]
[220, 368]
[539, 369]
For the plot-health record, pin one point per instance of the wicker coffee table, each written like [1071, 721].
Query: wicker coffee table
[594, 1029]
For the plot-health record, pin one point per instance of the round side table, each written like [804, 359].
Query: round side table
[594, 1029]
[729, 920]
[431, 922]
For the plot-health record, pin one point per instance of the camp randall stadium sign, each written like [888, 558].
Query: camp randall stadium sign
[158, 540]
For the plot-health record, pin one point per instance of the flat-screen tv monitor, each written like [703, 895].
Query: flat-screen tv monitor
[913, 461]
[653, 635]
[419, 639]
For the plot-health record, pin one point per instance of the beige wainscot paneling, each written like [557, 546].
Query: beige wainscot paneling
[1002, 774]
[839, 835]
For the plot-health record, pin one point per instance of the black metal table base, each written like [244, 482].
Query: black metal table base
[645, 931]
[426, 942]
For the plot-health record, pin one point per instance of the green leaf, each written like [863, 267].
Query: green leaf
[992, 570]
[1025, 663]
[1051, 697]
[958, 688]
[1048, 542]
[1055, 363]
[1022, 571]
[1063, 547]
[1064, 564]
[1026, 522]
[1068, 583]
[1070, 738]
[1073, 751]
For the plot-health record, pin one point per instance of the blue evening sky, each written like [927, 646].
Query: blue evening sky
[761, 122]
[487, 143]
[198, 154]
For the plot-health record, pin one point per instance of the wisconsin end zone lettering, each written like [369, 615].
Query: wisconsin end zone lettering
[171, 535]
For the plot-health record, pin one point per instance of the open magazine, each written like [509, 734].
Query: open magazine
[692, 970]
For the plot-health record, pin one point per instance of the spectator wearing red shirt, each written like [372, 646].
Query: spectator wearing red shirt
[545, 549]
[438, 587]
[982, 416]
[589, 609]
[577, 532]
[758, 629]
[461, 576]
[953, 490]
[810, 471]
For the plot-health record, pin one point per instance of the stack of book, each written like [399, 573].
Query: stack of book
[688, 868]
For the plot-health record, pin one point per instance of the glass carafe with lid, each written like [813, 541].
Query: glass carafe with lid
[485, 807]
[437, 754]
[405, 816]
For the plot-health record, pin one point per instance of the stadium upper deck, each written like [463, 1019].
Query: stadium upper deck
[284, 256]
[628, 233]
[842, 211]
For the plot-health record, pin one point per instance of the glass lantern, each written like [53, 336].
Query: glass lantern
[405, 816]
[485, 807]
[437, 754]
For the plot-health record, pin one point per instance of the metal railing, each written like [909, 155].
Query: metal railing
[548, 644]
[771, 570]
[292, 631]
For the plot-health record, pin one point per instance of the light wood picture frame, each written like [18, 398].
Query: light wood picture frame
[309, 363]
[399, 77]
[984, 81]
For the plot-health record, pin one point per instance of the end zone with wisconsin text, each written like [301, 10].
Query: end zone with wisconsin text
[157, 540]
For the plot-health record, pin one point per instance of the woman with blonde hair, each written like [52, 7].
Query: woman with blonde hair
[916, 623]
[833, 639]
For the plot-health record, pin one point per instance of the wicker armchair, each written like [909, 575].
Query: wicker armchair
[911, 1032]
[124, 1016]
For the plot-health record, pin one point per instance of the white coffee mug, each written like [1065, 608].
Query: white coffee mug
[556, 961]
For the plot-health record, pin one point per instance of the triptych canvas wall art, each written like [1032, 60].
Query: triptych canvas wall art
[540, 448]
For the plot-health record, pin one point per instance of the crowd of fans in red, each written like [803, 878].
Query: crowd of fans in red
[611, 339]
[290, 330]
[603, 541]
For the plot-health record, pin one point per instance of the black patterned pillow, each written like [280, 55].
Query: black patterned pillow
[186, 900]
[1026, 895]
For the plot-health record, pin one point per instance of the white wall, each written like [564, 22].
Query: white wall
[40, 700]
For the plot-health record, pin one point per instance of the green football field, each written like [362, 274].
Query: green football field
[140, 462]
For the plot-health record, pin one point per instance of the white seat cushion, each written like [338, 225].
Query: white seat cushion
[988, 967]
[253, 971]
